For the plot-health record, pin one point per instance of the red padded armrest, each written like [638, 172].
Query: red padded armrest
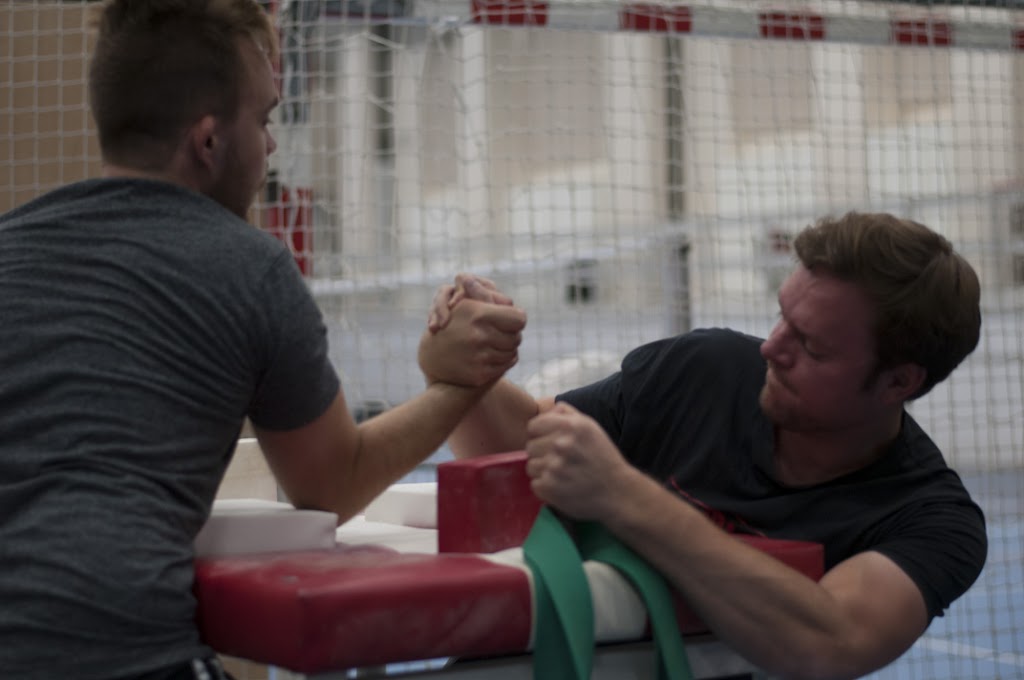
[484, 504]
[356, 606]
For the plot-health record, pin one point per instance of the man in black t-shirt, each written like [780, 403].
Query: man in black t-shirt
[802, 435]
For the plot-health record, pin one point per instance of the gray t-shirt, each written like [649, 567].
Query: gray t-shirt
[139, 324]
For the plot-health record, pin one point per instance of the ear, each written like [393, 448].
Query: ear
[205, 145]
[900, 382]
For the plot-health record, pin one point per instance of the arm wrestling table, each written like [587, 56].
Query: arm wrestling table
[430, 572]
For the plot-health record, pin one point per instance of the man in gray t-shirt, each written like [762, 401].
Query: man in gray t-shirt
[142, 321]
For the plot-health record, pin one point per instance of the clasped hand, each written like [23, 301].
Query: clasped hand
[572, 463]
[473, 334]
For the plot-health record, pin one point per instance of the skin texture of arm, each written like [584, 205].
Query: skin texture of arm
[334, 464]
[863, 614]
[497, 423]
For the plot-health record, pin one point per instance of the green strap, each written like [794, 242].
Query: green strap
[596, 543]
[564, 631]
[563, 645]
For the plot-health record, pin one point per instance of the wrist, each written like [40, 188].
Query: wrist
[454, 390]
[632, 507]
[423, 357]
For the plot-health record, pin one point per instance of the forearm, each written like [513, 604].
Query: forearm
[769, 613]
[495, 424]
[395, 442]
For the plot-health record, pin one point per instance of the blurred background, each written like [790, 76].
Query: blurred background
[625, 172]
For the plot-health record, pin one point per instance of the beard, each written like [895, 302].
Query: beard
[770, 396]
[782, 408]
[235, 194]
[769, 405]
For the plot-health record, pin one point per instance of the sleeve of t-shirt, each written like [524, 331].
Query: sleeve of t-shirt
[297, 382]
[601, 400]
[942, 547]
[606, 400]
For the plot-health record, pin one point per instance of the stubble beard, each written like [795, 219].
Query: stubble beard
[776, 410]
[767, 404]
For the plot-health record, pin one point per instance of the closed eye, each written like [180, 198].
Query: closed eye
[817, 356]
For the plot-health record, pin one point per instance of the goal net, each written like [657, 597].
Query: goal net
[630, 171]
[625, 171]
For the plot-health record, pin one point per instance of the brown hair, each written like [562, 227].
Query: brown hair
[160, 65]
[926, 296]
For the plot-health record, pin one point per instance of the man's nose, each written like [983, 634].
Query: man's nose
[774, 348]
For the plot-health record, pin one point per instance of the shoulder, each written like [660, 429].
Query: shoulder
[932, 528]
[141, 207]
[916, 449]
[69, 197]
[193, 234]
[940, 541]
[918, 460]
[180, 219]
[928, 485]
[700, 350]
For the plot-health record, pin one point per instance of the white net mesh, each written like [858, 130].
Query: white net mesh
[624, 185]
[623, 182]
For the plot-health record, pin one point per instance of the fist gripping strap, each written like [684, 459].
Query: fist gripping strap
[564, 630]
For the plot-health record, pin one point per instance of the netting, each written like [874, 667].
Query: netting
[625, 172]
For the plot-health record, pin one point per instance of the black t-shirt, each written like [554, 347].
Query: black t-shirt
[685, 410]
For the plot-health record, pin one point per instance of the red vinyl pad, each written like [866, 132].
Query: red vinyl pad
[485, 504]
[356, 606]
[316, 611]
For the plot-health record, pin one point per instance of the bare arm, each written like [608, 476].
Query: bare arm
[333, 464]
[497, 423]
[863, 614]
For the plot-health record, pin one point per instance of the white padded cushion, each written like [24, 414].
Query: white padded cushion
[408, 505]
[248, 525]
